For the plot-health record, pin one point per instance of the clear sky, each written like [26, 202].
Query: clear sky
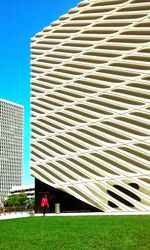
[19, 21]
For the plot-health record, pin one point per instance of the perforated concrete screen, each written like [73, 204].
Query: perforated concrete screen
[91, 104]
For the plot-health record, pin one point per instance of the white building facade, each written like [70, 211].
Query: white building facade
[11, 146]
[90, 103]
[29, 190]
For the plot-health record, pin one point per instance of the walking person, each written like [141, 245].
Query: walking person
[2, 208]
[44, 204]
[28, 205]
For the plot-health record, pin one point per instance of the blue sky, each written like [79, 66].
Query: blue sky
[20, 20]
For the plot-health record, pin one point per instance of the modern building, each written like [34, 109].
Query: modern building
[90, 103]
[28, 189]
[11, 146]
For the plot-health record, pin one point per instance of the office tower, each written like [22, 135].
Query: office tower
[91, 104]
[11, 146]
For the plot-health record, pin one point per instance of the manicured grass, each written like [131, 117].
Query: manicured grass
[72, 233]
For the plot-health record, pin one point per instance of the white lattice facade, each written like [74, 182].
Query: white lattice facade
[91, 104]
[11, 146]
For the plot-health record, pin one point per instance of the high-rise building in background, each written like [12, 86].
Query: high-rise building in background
[90, 104]
[11, 146]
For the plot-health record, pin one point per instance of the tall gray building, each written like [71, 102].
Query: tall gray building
[11, 146]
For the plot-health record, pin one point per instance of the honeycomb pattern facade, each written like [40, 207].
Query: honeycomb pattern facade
[90, 100]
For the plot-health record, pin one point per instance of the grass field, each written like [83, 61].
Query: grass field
[72, 233]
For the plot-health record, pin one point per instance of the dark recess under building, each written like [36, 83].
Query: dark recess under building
[67, 202]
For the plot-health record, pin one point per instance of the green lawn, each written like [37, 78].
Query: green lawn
[81, 232]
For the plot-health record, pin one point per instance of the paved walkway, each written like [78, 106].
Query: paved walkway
[25, 214]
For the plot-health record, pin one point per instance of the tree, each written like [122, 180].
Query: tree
[22, 198]
[32, 201]
[16, 200]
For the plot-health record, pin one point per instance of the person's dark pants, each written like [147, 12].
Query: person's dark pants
[44, 209]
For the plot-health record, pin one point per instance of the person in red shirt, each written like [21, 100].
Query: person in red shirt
[44, 204]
